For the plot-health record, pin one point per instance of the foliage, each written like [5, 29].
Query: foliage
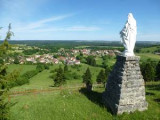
[87, 79]
[148, 70]
[30, 51]
[15, 79]
[108, 70]
[16, 60]
[4, 108]
[40, 67]
[80, 56]
[60, 78]
[65, 68]
[3, 91]
[101, 78]
[91, 60]
[46, 66]
[158, 71]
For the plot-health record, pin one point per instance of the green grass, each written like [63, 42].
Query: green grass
[145, 56]
[110, 62]
[73, 104]
[43, 81]
[149, 49]
[21, 68]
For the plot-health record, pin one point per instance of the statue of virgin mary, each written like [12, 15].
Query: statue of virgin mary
[128, 35]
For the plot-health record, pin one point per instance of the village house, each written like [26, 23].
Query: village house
[77, 62]
[55, 61]
[85, 51]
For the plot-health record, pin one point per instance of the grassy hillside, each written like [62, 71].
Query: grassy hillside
[43, 81]
[21, 68]
[145, 56]
[77, 104]
[71, 102]
[149, 49]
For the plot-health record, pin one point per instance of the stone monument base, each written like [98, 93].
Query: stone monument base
[125, 90]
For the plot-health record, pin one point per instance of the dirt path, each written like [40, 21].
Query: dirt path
[37, 91]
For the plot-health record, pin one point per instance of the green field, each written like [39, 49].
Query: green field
[71, 102]
[43, 81]
[149, 49]
[145, 56]
[21, 68]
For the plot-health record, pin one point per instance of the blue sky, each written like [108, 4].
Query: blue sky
[78, 19]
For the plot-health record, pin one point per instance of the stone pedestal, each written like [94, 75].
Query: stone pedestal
[125, 90]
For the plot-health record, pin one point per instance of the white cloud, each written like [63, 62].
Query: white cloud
[82, 28]
[62, 29]
[32, 26]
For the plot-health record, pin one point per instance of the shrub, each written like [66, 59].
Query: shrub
[40, 67]
[148, 70]
[91, 60]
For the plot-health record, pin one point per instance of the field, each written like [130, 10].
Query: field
[38, 100]
[43, 80]
[21, 68]
[149, 49]
[145, 56]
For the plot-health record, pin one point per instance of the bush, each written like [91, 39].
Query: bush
[16, 60]
[40, 67]
[30, 74]
[148, 70]
[46, 66]
[75, 75]
[91, 60]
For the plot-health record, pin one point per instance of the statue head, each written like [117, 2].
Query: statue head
[130, 15]
[131, 20]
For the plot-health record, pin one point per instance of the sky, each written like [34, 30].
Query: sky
[78, 19]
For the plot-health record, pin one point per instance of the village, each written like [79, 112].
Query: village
[68, 57]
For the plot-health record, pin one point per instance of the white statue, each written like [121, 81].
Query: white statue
[128, 35]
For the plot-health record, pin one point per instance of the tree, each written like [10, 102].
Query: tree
[4, 108]
[148, 72]
[91, 60]
[40, 67]
[46, 66]
[87, 79]
[101, 78]
[5, 45]
[66, 68]
[16, 60]
[107, 71]
[60, 78]
[158, 71]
